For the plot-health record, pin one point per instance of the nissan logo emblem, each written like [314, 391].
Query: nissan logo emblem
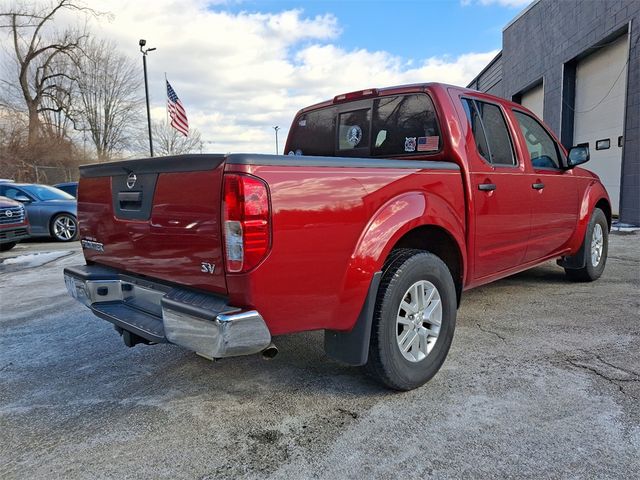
[131, 180]
[8, 213]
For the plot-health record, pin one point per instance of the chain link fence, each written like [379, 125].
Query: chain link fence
[52, 175]
[39, 174]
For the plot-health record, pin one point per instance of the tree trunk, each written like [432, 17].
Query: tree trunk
[34, 124]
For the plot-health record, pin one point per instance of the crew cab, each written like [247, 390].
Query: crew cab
[388, 205]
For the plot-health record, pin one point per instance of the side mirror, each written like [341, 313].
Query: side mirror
[22, 199]
[578, 156]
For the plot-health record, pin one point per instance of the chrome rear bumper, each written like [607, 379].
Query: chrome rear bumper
[203, 323]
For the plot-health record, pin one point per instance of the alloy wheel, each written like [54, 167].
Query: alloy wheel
[64, 228]
[597, 244]
[418, 320]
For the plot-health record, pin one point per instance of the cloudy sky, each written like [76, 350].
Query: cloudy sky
[241, 67]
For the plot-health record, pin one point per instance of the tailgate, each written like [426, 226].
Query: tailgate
[158, 217]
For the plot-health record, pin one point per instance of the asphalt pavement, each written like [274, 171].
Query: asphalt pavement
[543, 380]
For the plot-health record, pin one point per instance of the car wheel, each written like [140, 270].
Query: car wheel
[596, 247]
[7, 246]
[64, 227]
[414, 320]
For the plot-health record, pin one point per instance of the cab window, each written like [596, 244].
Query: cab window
[542, 149]
[353, 130]
[314, 133]
[404, 124]
[476, 129]
[386, 126]
[490, 132]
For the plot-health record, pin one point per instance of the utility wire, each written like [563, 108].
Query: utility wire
[626, 64]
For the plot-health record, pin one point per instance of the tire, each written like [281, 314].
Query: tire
[405, 273]
[64, 227]
[4, 247]
[596, 247]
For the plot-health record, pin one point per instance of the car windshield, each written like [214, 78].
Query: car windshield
[44, 192]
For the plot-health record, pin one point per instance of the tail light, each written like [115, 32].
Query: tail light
[247, 218]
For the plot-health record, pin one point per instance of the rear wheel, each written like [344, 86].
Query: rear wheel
[414, 320]
[64, 227]
[7, 246]
[596, 246]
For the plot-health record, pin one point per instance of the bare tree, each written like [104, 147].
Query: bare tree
[57, 107]
[109, 87]
[168, 141]
[39, 56]
[18, 160]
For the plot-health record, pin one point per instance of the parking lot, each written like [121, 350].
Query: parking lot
[543, 380]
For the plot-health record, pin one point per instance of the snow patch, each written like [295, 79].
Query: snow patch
[36, 259]
[624, 227]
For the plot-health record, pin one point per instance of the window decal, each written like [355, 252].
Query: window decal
[428, 144]
[354, 135]
[409, 144]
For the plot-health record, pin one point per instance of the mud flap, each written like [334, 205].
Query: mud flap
[574, 262]
[352, 347]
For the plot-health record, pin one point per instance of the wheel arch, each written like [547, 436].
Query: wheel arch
[440, 242]
[594, 196]
[414, 220]
[53, 216]
[604, 205]
[578, 257]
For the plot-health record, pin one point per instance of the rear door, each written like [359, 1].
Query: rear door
[553, 190]
[500, 190]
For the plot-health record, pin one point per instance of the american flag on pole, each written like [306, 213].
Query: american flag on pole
[176, 111]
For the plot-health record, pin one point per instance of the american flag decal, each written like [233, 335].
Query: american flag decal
[428, 144]
[176, 111]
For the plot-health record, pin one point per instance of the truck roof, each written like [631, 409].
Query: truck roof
[412, 87]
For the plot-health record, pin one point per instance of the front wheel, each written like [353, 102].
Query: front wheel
[64, 227]
[596, 247]
[4, 247]
[414, 320]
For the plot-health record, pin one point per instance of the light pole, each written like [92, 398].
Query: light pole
[276, 128]
[142, 43]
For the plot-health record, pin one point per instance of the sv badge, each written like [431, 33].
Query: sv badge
[207, 267]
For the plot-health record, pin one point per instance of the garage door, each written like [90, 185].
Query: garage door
[534, 100]
[601, 80]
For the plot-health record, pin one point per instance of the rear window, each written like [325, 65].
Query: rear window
[405, 124]
[314, 133]
[353, 131]
[388, 126]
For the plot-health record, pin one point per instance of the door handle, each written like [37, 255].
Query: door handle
[537, 186]
[487, 187]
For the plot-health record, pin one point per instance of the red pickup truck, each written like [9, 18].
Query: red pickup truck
[389, 204]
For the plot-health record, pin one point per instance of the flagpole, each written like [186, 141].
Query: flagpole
[144, 52]
[165, 87]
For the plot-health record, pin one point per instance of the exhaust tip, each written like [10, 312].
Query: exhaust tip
[270, 352]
